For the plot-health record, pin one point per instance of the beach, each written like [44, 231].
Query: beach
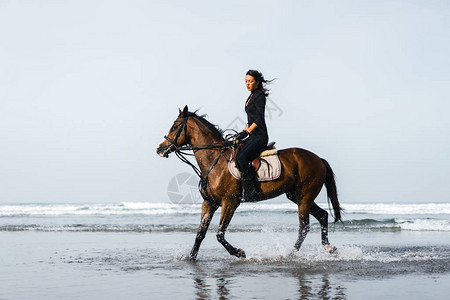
[140, 251]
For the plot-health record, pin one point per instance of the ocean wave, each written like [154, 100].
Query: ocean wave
[384, 225]
[371, 224]
[124, 208]
[395, 224]
[398, 209]
[148, 208]
[129, 208]
[98, 228]
[424, 225]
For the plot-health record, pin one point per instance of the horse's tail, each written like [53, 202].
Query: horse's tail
[330, 184]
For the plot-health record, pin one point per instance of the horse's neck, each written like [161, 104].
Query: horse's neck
[205, 158]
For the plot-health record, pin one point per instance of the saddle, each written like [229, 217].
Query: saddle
[267, 165]
[270, 150]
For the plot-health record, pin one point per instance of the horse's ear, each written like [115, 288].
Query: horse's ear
[185, 111]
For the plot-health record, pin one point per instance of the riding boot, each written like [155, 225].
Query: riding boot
[250, 184]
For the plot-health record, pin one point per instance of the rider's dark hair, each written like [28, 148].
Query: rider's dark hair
[261, 81]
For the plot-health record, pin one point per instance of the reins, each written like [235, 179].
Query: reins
[180, 153]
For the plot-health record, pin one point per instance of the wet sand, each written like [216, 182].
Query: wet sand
[114, 265]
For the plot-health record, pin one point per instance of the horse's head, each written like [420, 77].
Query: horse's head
[176, 136]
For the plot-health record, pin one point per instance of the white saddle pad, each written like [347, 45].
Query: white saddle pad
[270, 168]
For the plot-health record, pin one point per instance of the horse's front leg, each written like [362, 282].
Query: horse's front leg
[208, 211]
[225, 218]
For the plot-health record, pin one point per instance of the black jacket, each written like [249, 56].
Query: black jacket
[255, 110]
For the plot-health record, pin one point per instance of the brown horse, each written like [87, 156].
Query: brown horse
[302, 177]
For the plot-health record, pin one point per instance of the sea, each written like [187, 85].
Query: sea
[137, 250]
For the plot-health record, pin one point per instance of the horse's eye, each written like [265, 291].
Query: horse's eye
[173, 128]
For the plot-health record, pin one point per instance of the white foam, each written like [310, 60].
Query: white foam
[278, 249]
[149, 208]
[424, 225]
[396, 208]
[283, 252]
[125, 208]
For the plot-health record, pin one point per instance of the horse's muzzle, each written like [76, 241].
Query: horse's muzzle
[163, 151]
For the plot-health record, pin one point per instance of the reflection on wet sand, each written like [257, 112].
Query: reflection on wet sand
[228, 283]
[321, 288]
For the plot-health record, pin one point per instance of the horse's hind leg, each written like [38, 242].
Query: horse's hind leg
[225, 218]
[322, 216]
[303, 216]
[207, 214]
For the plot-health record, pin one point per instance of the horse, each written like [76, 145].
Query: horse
[302, 177]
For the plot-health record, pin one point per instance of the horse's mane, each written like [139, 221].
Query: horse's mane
[214, 128]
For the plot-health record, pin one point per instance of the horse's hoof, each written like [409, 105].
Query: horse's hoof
[240, 253]
[192, 258]
[293, 253]
[330, 249]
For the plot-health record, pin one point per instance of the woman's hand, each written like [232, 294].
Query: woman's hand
[241, 135]
[251, 127]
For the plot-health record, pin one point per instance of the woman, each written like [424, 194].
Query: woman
[256, 131]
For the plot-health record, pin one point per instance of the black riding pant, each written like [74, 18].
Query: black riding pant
[253, 146]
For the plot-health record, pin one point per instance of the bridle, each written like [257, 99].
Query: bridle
[173, 146]
[180, 152]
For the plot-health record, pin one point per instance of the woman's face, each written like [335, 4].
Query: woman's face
[251, 83]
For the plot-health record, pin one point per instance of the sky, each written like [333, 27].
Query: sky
[89, 88]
